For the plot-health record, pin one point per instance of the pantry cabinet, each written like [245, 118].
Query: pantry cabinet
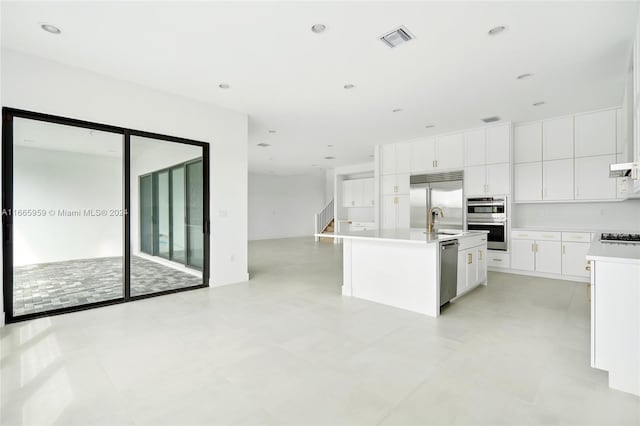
[437, 154]
[396, 158]
[492, 179]
[490, 145]
[395, 211]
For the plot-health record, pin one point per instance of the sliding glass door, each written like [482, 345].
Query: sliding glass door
[95, 215]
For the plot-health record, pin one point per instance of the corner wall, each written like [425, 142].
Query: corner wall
[40, 85]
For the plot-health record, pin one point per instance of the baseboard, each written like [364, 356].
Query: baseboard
[243, 278]
[542, 275]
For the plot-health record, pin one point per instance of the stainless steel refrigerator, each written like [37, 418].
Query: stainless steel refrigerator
[442, 190]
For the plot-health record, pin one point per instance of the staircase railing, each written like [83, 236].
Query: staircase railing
[324, 218]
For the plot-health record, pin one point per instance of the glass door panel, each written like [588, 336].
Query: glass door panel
[166, 268]
[67, 219]
[146, 214]
[178, 243]
[195, 246]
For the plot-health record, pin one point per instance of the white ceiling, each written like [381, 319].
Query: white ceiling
[291, 80]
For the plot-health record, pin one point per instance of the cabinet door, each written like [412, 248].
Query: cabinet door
[595, 133]
[528, 181]
[403, 212]
[368, 192]
[388, 165]
[389, 184]
[462, 271]
[475, 180]
[522, 255]
[450, 152]
[348, 199]
[528, 143]
[472, 267]
[423, 155]
[574, 259]
[403, 182]
[498, 146]
[403, 158]
[498, 179]
[557, 137]
[389, 211]
[474, 147]
[358, 192]
[592, 178]
[557, 180]
[481, 254]
[549, 257]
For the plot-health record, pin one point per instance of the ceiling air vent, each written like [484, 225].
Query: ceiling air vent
[491, 119]
[396, 37]
[263, 145]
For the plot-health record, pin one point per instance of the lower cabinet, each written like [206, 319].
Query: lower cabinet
[548, 259]
[574, 259]
[472, 268]
[522, 255]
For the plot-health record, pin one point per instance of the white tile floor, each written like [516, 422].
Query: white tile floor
[286, 348]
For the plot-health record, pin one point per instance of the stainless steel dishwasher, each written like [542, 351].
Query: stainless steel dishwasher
[448, 271]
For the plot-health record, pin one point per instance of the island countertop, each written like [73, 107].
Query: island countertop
[415, 236]
[614, 252]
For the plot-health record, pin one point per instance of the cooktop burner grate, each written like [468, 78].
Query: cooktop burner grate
[608, 237]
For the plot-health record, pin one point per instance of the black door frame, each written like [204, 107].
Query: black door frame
[8, 114]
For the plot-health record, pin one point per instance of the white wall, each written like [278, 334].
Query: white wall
[70, 181]
[283, 207]
[41, 85]
[620, 216]
[329, 182]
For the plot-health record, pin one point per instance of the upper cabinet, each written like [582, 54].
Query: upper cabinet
[528, 142]
[595, 133]
[557, 137]
[358, 193]
[396, 158]
[490, 145]
[437, 154]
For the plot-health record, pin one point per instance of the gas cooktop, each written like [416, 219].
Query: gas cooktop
[620, 238]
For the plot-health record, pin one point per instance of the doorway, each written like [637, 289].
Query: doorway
[74, 195]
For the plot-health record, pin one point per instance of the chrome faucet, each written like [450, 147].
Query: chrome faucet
[432, 213]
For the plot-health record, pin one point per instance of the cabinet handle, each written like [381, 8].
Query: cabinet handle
[433, 163]
[588, 267]
[497, 260]
[469, 258]
[436, 163]
[479, 254]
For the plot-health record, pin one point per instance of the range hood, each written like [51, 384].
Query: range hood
[621, 169]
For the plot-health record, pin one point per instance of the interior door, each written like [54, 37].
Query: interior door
[146, 214]
[194, 216]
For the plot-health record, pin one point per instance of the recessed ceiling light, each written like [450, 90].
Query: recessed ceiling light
[538, 103]
[429, 126]
[349, 86]
[224, 86]
[263, 145]
[329, 158]
[318, 28]
[523, 76]
[272, 131]
[396, 110]
[491, 119]
[496, 30]
[51, 28]
[329, 146]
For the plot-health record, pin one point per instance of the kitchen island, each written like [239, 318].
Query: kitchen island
[401, 268]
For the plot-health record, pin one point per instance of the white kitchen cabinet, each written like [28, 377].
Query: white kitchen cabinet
[358, 193]
[498, 259]
[395, 211]
[474, 147]
[437, 154]
[528, 143]
[481, 270]
[523, 255]
[450, 152]
[548, 256]
[462, 283]
[498, 140]
[472, 267]
[595, 133]
[528, 181]
[475, 180]
[396, 158]
[592, 181]
[498, 179]
[557, 137]
[557, 180]
[423, 155]
[395, 184]
[574, 258]
[492, 179]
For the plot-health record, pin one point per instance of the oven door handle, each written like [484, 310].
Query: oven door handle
[489, 224]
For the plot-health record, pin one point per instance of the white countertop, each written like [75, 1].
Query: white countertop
[614, 252]
[417, 236]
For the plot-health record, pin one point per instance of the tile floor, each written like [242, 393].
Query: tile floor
[287, 349]
[46, 286]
